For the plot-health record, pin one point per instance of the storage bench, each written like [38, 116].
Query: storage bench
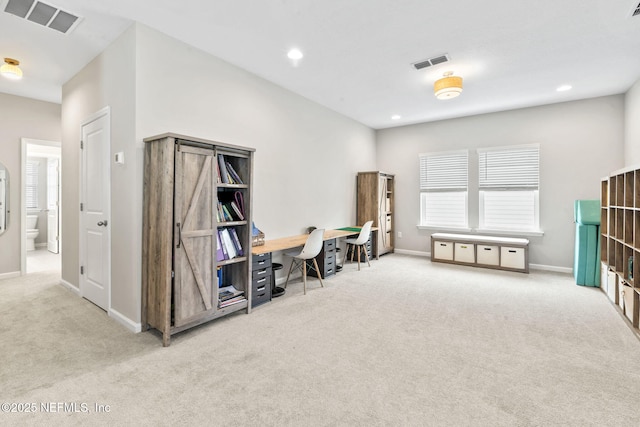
[504, 253]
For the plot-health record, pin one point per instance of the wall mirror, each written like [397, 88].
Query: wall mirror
[4, 198]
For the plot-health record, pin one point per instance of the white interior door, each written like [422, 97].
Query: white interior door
[95, 213]
[53, 205]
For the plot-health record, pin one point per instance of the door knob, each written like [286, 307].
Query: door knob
[102, 223]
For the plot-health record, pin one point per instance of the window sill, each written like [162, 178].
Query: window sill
[539, 233]
[482, 231]
[435, 228]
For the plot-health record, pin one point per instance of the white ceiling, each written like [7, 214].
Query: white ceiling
[358, 53]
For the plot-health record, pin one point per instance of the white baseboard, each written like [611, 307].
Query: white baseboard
[125, 321]
[10, 275]
[541, 267]
[408, 252]
[116, 315]
[552, 268]
[70, 287]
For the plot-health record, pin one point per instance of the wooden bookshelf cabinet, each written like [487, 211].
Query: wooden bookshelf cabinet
[620, 241]
[376, 203]
[180, 267]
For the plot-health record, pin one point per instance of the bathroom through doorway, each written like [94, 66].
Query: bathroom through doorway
[41, 206]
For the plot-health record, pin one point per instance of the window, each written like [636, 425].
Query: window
[509, 182]
[443, 189]
[32, 184]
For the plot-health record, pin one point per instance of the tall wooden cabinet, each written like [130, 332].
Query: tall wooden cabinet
[620, 242]
[183, 266]
[375, 202]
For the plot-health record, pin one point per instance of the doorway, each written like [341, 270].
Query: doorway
[40, 206]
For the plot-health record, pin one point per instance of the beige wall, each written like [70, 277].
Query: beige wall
[307, 156]
[21, 118]
[632, 126]
[107, 81]
[580, 142]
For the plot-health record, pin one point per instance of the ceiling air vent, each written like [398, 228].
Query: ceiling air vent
[431, 62]
[636, 11]
[43, 14]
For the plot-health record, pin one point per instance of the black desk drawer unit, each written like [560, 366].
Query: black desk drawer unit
[368, 246]
[261, 279]
[326, 260]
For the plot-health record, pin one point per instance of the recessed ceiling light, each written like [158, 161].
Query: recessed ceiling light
[396, 117]
[564, 88]
[295, 54]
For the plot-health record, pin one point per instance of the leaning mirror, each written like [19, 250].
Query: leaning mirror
[4, 198]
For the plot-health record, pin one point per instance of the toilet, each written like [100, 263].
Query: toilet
[32, 231]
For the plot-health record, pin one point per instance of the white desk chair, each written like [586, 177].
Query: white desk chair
[310, 250]
[358, 243]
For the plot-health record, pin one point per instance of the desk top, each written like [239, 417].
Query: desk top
[290, 242]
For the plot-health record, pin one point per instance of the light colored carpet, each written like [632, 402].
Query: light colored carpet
[405, 342]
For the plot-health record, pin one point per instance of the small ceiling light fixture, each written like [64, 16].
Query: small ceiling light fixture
[10, 69]
[564, 88]
[396, 117]
[295, 55]
[448, 86]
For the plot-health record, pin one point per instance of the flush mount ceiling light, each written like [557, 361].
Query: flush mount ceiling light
[563, 88]
[10, 69]
[448, 86]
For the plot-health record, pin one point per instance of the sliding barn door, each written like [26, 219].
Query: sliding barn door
[194, 243]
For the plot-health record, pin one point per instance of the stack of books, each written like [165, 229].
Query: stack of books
[228, 244]
[229, 212]
[229, 295]
[227, 173]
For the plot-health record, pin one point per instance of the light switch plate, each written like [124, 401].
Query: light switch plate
[119, 157]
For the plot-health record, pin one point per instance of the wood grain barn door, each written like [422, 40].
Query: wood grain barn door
[195, 226]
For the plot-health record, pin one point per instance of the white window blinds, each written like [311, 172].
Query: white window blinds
[32, 185]
[508, 180]
[509, 168]
[444, 171]
[443, 189]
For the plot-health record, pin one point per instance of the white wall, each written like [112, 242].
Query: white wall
[306, 157]
[20, 118]
[632, 126]
[580, 142]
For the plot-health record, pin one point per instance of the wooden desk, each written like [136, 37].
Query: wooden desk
[285, 243]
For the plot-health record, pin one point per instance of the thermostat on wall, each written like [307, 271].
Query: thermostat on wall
[120, 158]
